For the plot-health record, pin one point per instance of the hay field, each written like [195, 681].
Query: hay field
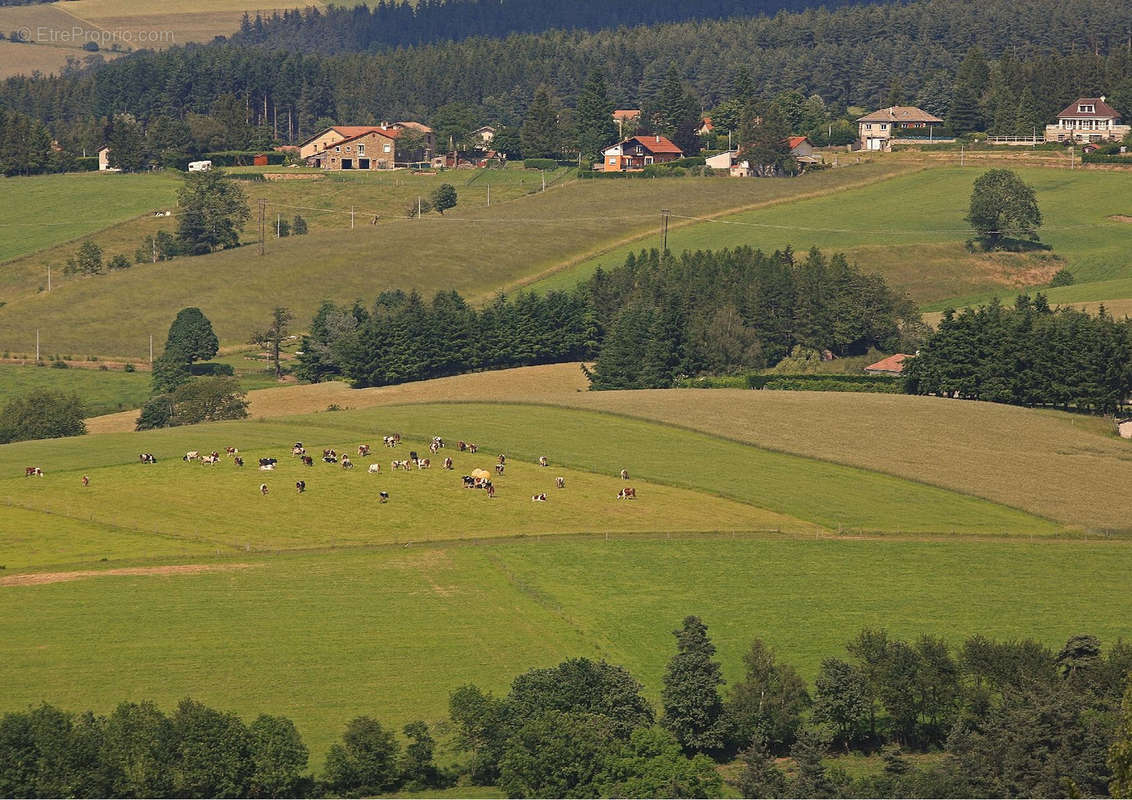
[390, 632]
[51, 36]
[478, 253]
[911, 230]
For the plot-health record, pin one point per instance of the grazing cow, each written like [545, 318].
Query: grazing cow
[502, 459]
[628, 493]
[363, 450]
[298, 450]
[210, 459]
[300, 486]
[390, 441]
[267, 467]
[232, 451]
[330, 459]
[147, 458]
[383, 497]
[215, 455]
[624, 474]
[539, 498]
[263, 489]
[424, 463]
[448, 463]
[469, 482]
[265, 462]
[192, 455]
[542, 462]
[433, 448]
[461, 445]
[308, 461]
[401, 465]
[347, 463]
[499, 469]
[33, 472]
[86, 480]
[473, 448]
[490, 490]
[436, 440]
[238, 461]
[329, 454]
[413, 456]
[374, 468]
[560, 482]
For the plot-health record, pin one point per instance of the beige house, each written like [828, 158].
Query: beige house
[877, 130]
[1087, 119]
[104, 160]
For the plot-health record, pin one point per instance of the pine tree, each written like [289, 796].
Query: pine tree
[593, 119]
[1028, 119]
[811, 779]
[539, 134]
[760, 777]
[693, 708]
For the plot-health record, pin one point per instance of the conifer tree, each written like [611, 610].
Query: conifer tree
[540, 134]
[593, 118]
[693, 708]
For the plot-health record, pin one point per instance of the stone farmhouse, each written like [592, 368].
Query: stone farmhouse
[1087, 119]
[365, 147]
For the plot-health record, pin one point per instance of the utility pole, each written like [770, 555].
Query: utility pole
[37, 345]
[664, 212]
[418, 208]
[151, 351]
[351, 217]
[262, 209]
[961, 155]
[278, 219]
[543, 174]
[153, 241]
[48, 277]
[489, 195]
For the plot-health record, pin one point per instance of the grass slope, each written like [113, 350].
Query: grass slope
[391, 632]
[826, 494]
[911, 229]
[476, 251]
[102, 392]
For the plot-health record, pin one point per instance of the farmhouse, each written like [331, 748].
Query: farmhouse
[800, 148]
[482, 135]
[893, 365]
[638, 152]
[378, 144]
[1087, 119]
[104, 160]
[877, 130]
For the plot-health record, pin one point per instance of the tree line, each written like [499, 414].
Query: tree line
[997, 64]
[654, 318]
[1013, 719]
[1030, 355]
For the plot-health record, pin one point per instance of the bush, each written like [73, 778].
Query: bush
[540, 163]
[1103, 158]
[60, 365]
[199, 400]
[119, 262]
[211, 369]
[1062, 277]
[42, 414]
[130, 368]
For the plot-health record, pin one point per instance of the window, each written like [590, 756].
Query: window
[347, 148]
[387, 148]
[337, 149]
[1086, 108]
[868, 126]
[613, 161]
[361, 149]
[884, 126]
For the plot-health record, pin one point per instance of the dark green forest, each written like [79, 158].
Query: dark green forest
[653, 319]
[1043, 52]
[1012, 719]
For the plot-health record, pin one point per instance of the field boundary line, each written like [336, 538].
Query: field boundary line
[608, 248]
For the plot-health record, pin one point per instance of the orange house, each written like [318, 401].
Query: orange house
[638, 152]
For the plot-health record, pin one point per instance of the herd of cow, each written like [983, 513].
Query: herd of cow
[477, 480]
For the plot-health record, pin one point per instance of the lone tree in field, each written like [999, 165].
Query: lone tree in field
[444, 197]
[190, 339]
[693, 708]
[272, 337]
[1003, 208]
[212, 209]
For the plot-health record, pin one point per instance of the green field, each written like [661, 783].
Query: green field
[45, 210]
[474, 249]
[390, 632]
[102, 392]
[911, 229]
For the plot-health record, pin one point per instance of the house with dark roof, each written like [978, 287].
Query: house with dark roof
[876, 131]
[638, 152]
[1087, 119]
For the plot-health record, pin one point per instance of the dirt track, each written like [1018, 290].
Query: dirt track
[39, 578]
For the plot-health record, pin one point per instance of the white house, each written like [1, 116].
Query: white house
[104, 160]
[877, 130]
[1087, 119]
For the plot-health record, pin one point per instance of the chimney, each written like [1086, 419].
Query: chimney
[658, 139]
[1102, 98]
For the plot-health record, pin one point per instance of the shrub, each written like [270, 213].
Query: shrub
[119, 262]
[59, 365]
[212, 369]
[42, 414]
[130, 368]
[1062, 277]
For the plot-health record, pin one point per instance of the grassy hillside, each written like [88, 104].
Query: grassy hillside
[475, 250]
[102, 392]
[911, 229]
[390, 632]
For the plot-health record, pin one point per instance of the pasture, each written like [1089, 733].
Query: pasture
[477, 251]
[103, 392]
[911, 230]
[390, 632]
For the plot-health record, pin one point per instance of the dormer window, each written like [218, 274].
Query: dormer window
[1086, 108]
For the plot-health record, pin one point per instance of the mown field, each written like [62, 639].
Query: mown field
[911, 230]
[476, 250]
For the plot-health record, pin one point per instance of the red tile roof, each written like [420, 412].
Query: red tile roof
[1101, 109]
[626, 113]
[656, 144]
[794, 141]
[894, 363]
